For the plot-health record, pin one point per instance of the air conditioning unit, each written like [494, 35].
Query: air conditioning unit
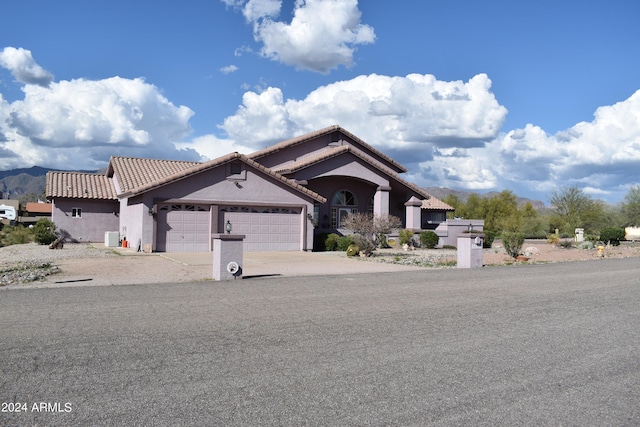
[112, 239]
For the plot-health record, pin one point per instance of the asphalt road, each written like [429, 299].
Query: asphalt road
[553, 344]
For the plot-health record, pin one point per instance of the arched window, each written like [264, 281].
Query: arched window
[343, 203]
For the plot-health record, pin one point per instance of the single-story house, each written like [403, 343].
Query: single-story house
[279, 197]
[35, 211]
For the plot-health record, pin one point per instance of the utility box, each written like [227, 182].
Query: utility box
[470, 250]
[112, 239]
[579, 235]
[227, 256]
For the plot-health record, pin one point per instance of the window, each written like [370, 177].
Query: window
[343, 203]
[76, 212]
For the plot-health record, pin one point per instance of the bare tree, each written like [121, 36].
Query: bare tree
[372, 227]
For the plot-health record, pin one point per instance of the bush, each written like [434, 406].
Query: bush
[512, 242]
[331, 242]
[353, 250]
[553, 239]
[612, 235]
[344, 242]
[405, 236]
[429, 239]
[44, 231]
[15, 235]
[364, 244]
[489, 237]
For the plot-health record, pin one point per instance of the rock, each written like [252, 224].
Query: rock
[522, 258]
[531, 250]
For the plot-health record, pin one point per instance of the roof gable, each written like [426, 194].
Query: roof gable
[339, 137]
[148, 178]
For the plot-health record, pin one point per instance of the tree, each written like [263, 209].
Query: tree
[372, 227]
[573, 209]
[44, 231]
[631, 207]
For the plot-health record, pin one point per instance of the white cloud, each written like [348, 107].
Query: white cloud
[81, 123]
[229, 69]
[408, 115]
[322, 34]
[23, 67]
[602, 157]
[210, 147]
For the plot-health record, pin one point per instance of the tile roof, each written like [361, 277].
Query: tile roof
[149, 174]
[436, 204]
[77, 185]
[335, 128]
[429, 201]
[33, 207]
[132, 172]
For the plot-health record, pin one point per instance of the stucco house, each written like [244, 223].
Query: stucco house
[279, 197]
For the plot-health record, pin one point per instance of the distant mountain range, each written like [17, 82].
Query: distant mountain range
[18, 182]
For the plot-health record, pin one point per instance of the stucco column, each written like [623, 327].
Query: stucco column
[413, 214]
[381, 201]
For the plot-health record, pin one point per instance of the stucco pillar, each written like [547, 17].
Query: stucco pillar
[381, 201]
[413, 214]
[227, 256]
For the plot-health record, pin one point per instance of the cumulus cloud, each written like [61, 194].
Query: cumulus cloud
[81, 123]
[23, 67]
[322, 34]
[407, 115]
[601, 157]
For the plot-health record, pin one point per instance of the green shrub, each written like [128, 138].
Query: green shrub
[344, 242]
[16, 235]
[512, 242]
[331, 242]
[44, 231]
[612, 235]
[353, 250]
[553, 239]
[489, 237]
[404, 236]
[429, 239]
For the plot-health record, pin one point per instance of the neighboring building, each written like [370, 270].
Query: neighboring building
[279, 197]
[34, 211]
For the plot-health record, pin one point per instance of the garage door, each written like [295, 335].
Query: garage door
[266, 229]
[183, 228]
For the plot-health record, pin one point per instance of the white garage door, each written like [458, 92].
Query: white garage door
[183, 228]
[266, 229]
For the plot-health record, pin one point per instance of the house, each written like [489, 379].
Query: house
[34, 211]
[280, 197]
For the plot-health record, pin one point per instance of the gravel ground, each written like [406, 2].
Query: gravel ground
[32, 262]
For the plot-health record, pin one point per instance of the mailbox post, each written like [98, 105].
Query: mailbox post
[227, 256]
[470, 250]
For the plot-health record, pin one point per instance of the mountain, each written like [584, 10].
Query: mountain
[442, 193]
[15, 183]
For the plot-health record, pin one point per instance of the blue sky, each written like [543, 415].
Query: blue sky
[480, 96]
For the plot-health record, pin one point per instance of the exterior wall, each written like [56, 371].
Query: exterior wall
[214, 189]
[97, 217]
[450, 230]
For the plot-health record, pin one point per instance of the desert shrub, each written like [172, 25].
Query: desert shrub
[331, 242]
[512, 242]
[405, 236]
[449, 247]
[344, 242]
[353, 250]
[553, 239]
[44, 231]
[15, 235]
[429, 239]
[489, 237]
[565, 243]
[612, 235]
[364, 244]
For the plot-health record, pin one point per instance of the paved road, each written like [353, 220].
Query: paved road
[552, 344]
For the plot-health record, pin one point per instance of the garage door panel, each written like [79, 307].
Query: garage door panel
[183, 228]
[275, 229]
